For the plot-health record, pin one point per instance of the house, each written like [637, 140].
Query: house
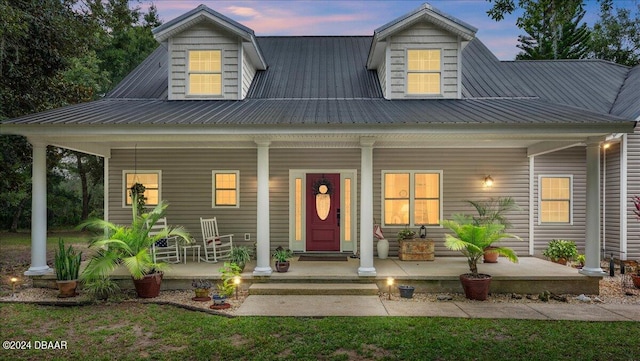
[306, 142]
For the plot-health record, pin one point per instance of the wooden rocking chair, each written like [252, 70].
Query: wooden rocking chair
[216, 246]
[166, 249]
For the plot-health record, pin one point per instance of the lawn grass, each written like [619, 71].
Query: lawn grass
[23, 238]
[133, 331]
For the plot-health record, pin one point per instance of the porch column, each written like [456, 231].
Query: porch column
[592, 242]
[263, 267]
[38, 210]
[366, 208]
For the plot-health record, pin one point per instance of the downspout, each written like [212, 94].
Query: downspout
[604, 199]
[531, 205]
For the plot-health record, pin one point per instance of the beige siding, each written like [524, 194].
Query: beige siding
[186, 184]
[203, 37]
[424, 36]
[382, 76]
[633, 189]
[463, 173]
[248, 72]
[611, 200]
[570, 161]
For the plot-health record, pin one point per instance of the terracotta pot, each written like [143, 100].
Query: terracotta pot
[282, 266]
[490, 256]
[562, 261]
[149, 285]
[476, 288]
[67, 288]
[636, 280]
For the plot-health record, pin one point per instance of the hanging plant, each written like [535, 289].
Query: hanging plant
[322, 186]
[137, 194]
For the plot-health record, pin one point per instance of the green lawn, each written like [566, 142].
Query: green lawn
[132, 331]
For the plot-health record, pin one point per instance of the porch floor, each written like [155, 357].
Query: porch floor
[531, 275]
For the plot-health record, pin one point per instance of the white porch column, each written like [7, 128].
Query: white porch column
[366, 208]
[38, 211]
[592, 244]
[263, 267]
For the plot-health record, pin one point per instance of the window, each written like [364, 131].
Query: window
[149, 179]
[423, 71]
[412, 198]
[555, 199]
[205, 72]
[225, 188]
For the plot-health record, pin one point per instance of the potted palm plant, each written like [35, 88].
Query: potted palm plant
[282, 256]
[471, 240]
[130, 246]
[67, 267]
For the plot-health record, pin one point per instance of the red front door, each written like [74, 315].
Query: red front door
[323, 212]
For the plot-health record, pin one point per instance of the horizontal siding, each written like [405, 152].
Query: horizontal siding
[463, 173]
[611, 200]
[248, 73]
[424, 36]
[633, 189]
[203, 37]
[382, 77]
[186, 185]
[570, 161]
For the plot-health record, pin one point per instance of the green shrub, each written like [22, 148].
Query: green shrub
[560, 248]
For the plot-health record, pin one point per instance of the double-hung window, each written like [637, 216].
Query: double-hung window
[412, 198]
[555, 199]
[149, 179]
[226, 191]
[423, 71]
[205, 72]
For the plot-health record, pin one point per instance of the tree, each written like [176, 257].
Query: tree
[616, 36]
[553, 30]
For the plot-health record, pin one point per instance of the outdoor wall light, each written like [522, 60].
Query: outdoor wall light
[488, 181]
[390, 283]
[236, 281]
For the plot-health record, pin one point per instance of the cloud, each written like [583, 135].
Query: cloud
[243, 11]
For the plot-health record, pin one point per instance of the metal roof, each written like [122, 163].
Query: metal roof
[332, 112]
[427, 9]
[205, 9]
[149, 80]
[627, 104]
[322, 67]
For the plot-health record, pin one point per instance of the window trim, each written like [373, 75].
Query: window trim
[412, 198]
[125, 190]
[540, 200]
[407, 72]
[188, 73]
[213, 187]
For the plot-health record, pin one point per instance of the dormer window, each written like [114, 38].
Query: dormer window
[423, 72]
[205, 72]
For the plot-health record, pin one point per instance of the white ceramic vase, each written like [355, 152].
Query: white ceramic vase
[383, 248]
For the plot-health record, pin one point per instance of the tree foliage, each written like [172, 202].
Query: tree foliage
[616, 36]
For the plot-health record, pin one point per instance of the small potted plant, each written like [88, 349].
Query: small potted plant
[201, 289]
[580, 260]
[406, 233]
[240, 255]
[561, 251]
[67, 266]
[282, 256]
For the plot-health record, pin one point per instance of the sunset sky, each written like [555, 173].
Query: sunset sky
[350, 17]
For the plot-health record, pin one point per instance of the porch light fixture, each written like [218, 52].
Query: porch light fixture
[13, 286]
[390, 283]
[236, 281]
[488, 181]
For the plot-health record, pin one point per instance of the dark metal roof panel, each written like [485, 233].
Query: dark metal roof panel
[627, 104]
[302, 112]
[588, 84]
[483, 75]
[325, 67]
[149, 80]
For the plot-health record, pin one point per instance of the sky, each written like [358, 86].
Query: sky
[361, 17]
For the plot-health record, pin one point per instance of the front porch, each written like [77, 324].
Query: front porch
[530, 276]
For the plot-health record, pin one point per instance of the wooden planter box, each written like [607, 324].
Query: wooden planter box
[416, 249]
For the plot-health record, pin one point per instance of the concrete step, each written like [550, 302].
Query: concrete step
[358, 289]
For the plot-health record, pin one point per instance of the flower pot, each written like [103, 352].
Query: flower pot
[476, 288]
[67, 288]
[282, 266]
[406, 291]
[490, 256]
[636, 280]
[201, 292]
[383, 248]
[149, 285]
[562, 261]
[219, 300]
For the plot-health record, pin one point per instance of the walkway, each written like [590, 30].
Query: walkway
[319, 306]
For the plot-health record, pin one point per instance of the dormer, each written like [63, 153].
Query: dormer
[418, 55]
[211, 57]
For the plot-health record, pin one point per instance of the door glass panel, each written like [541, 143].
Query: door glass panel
[347, 209]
